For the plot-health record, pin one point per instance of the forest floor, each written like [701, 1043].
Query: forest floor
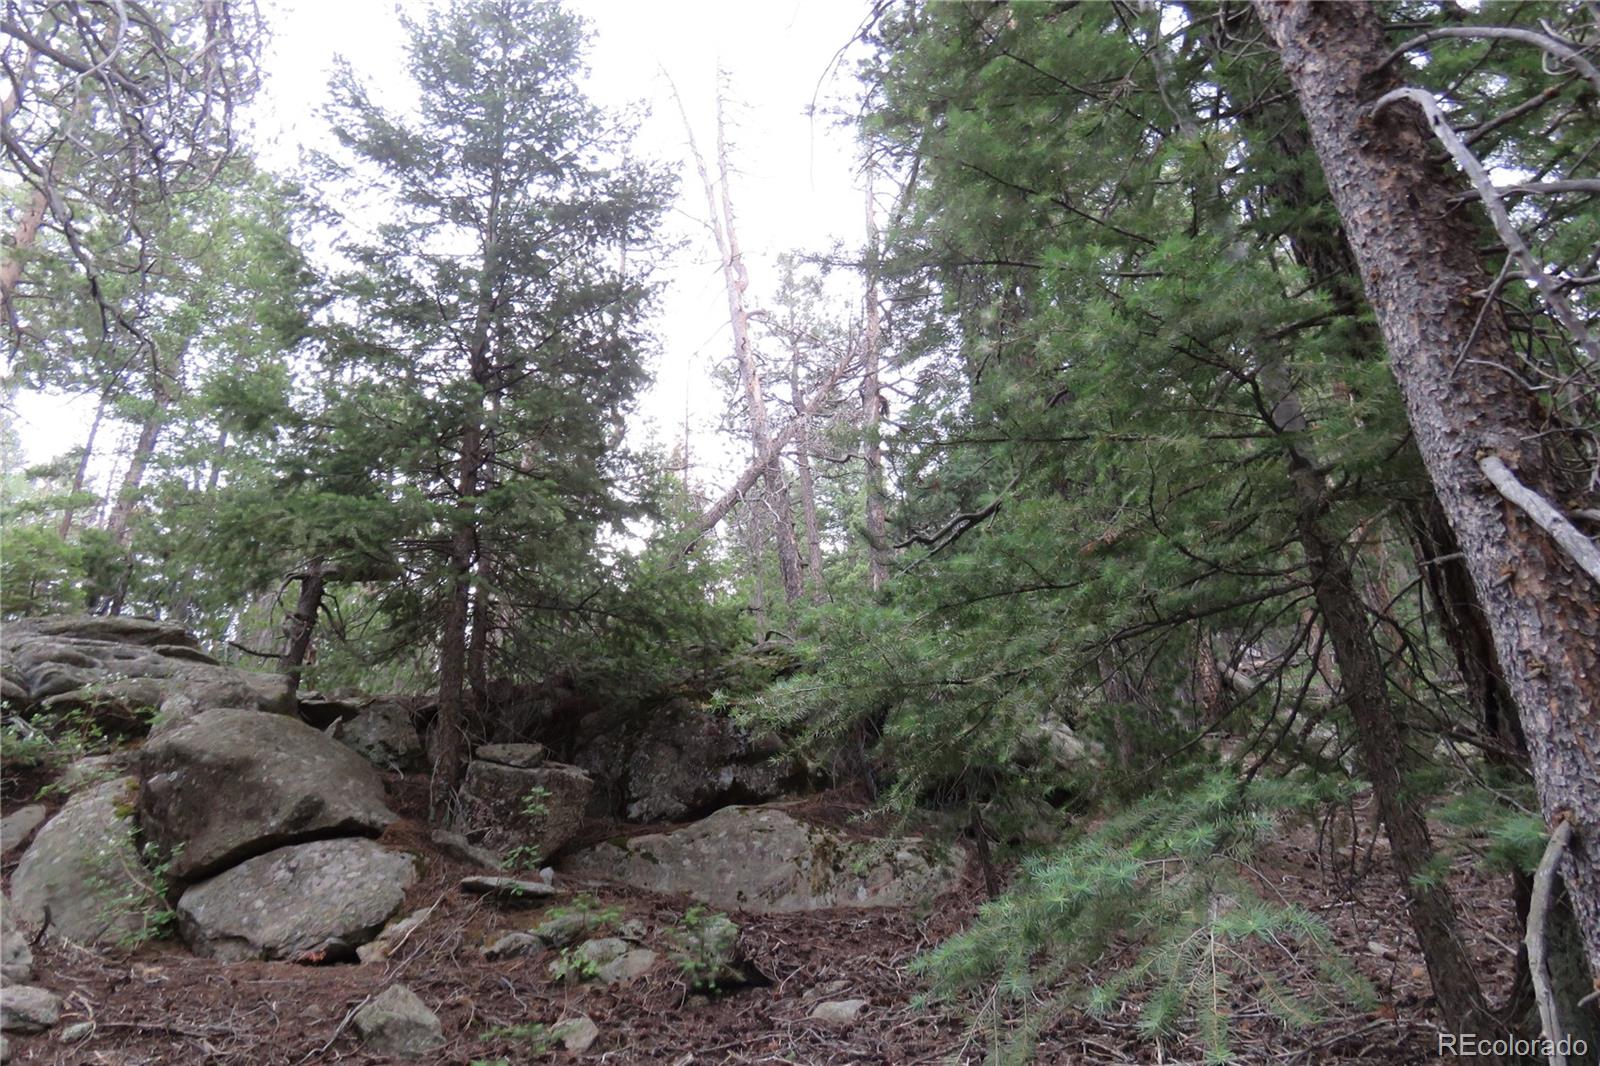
[160, 1005]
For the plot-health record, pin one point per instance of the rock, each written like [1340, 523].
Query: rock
[633, 929]
[1051, 742]
[547, 874]
[458, 847]
[522, 756]
[315, 902]
[508, 889]
[16, 957]
[577, 1035]
[607, 960]
[18, 826]
[838, 1011]
[122, 670]
[5, 1050]
[231, 784]
[394, 934]
[514, 946]
[84, 871]
[382, 733]
[93, 770]
[562, 929]
[538, 808]
[682, 760]
[399, 1023]
[762, 860]
[27, 1009]
[77, 1031]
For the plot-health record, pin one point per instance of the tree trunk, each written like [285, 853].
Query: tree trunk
[301, 623]
[872, 415]
[1417, 250]
[449, 736]
[808, 483]
[81, 475]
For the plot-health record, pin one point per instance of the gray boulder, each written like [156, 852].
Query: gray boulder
[93, 770]
[514, 946]
[18, 826]
[399, 1023]
[232, 783]
[26, 1009]
[381, 732]
[458, 847]
[760, 859]
[315, 901]
[83, 870]
[535, 808]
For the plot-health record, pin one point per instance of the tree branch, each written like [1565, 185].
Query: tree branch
[1580, 548]
[1543, 890]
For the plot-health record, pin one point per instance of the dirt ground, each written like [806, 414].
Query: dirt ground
[161, 1005]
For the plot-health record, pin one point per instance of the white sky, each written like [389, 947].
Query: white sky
[796, 186]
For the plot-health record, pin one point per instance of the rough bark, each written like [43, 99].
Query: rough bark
[808, 483]
[1365, 688]
[872, 414]
[301, 623]
[1417, 251]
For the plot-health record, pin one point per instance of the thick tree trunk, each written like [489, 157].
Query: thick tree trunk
[449, 745]
[301, 623]
[872, 415]
[1423, 276]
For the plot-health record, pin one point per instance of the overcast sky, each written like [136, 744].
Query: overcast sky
[796, 186]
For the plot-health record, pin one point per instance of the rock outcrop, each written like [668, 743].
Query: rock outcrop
[82, 871]
[313, 902]
[123, 671]
[683, 760]
[18, 826]
[231, 784]
[761, 859]
[26, 1009]
[522, 802]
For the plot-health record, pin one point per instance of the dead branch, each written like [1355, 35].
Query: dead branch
[1580, 548]
[1543, 890]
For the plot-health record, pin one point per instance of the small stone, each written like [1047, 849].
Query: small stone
[562, 929]
[27, 1009]
[77, 1031]
[514, 946]
[399, 1023]
[632, 964]
[508, 889]
[5, 1050]
[393, 935]
[18, 826]
[577, 1035]
[522, 756]
[633, 929]
[838, 1011]
[458, 847]
[831, 988]
[548, 875]
[16, 958]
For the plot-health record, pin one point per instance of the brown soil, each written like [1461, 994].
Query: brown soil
[161, 1005]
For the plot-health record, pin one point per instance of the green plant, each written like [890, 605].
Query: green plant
[574, 966]
[132, 884]
[535, 1036]
[533, 806]
[533, 802]
[703, 945]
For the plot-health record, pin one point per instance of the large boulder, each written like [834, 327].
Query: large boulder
[312, 902]
[123, 670]
[763, 860]
[16, 958]
[232, 783]
[381, 732]
[536, 808]
[681, 761]
[83, 871]
[18, 826]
